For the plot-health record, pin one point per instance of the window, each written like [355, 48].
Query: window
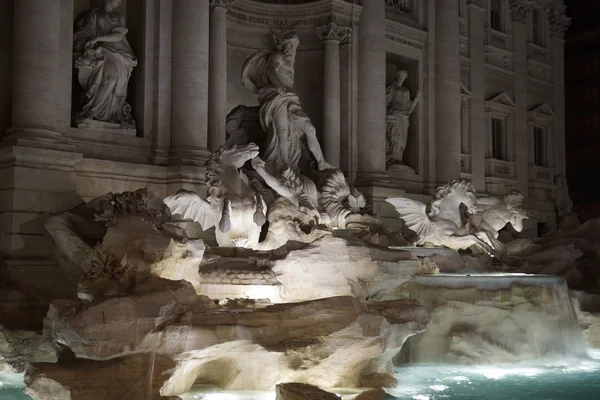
[496, 15]
[539, 146]
[498, 145]
[536, 27]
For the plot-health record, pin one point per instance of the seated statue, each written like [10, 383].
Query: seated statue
[104, 61]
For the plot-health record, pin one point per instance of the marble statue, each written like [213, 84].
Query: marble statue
[399, 109]
[499, 213]
[300, 203]
[270, 74]
[279, 126]
[104, 61]
[444, 224]
[232, 207]
[237, 210]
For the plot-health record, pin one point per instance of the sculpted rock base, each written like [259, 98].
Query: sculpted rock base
[302, 391]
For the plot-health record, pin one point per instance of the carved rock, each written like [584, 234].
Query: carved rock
[302, 391]
[334, 342]
[136, 376]
[19, 348]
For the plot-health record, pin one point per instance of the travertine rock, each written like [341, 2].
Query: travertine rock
[334, 342]
[330, 266]
[135, 377]
[373, 394]
[116, 326]
[19, 348]
[302, 391]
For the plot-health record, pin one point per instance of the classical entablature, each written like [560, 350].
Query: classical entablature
[294, 13]
[282, 14]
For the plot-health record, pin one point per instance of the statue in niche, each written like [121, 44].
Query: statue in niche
[445, 224]
[270, 74]
[104, 61]
[399, 109]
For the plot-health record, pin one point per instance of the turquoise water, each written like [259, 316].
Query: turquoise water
[11, 387]
[575, 380]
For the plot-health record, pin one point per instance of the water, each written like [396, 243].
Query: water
[574, 380]
[11, 387]
[494, 318]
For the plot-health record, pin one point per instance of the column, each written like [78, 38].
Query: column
[371, 93]
[332, 35]
[476, 17]
[38, 167]
[217, 84]
[65, 64]
[36, 105]
[520, 34]
[558, 24]
[189, 109]
[447, 91]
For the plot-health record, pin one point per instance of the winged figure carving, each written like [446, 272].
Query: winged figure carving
[444, 224]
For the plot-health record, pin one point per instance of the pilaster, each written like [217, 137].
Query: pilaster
[447, 93]
[520, 10]
[476, 18]
[371, 95]
[331, 35]
[217, 84]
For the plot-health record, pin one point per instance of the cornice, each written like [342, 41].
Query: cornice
[400, 33]
[318, 13]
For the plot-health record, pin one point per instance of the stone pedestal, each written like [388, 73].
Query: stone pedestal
[217, 87]
[447, 91]
[332, 35]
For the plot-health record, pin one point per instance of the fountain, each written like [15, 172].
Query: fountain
[281, 277]
[494, 318]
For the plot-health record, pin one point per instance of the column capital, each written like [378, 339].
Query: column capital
[334, 32]
[221, 3]
[519, 10]
[559, 23]
[476, 3]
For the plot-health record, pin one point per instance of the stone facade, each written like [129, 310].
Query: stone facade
[491, 108]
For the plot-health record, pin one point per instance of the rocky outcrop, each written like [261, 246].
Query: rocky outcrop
[19, 348]
[333, 342]
[118, 240]
[302, 391]
[134, 377]
[374, 394]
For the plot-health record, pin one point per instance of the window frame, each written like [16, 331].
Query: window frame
[540, 147]
[498, 153]
[499, 26]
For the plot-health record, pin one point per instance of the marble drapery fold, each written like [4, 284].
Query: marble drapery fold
[104, 61]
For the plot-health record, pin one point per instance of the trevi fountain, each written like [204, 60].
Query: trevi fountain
[276, 278]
